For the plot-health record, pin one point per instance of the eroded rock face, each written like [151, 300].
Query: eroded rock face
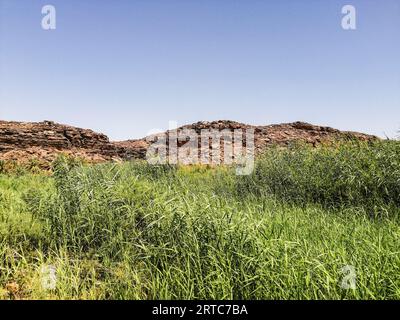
[284, 134]
[48, 134]
[264, 136]
[45, 140]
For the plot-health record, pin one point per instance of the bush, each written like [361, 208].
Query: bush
[94, 208]
[134, 231]
[357, 174]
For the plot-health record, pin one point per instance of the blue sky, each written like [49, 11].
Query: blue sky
[126, 67]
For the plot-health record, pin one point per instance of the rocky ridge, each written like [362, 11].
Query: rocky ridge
[43, 141]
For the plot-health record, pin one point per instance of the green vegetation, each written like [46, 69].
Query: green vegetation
[134, 231]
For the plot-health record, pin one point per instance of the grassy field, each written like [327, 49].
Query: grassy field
[135, 231]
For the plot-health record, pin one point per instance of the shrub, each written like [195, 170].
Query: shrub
[94, 208]
[159, 233]
[357, 174]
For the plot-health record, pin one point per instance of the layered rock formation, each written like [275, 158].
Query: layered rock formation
[43, 141]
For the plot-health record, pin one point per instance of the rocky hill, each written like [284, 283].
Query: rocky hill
[43, 141]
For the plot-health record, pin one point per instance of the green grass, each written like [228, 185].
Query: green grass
[134, 231]
[350, 174]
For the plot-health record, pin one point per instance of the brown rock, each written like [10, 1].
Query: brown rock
[43, 141]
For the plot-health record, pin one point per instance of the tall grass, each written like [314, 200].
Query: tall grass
[351, 174]
[134, 231]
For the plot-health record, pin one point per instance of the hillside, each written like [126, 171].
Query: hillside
[43, 141]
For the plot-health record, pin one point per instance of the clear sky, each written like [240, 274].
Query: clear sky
[126, 67]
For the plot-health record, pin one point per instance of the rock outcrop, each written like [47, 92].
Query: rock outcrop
[43, 141]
